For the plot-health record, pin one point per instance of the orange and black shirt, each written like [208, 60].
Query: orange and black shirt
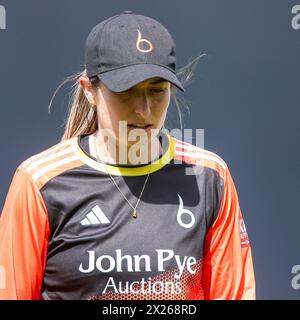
[66, 232]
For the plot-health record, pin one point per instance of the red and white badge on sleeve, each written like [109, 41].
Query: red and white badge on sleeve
[243, 234]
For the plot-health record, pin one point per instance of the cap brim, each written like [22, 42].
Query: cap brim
[124, 78]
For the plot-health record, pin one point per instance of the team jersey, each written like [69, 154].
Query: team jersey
[66, 232]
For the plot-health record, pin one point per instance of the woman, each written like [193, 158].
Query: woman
[113, 211]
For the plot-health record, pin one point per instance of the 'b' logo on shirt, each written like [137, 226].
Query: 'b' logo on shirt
[182, 212]
[140, 41]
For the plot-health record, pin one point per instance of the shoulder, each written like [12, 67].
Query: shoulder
[50, 162]
[191, 154]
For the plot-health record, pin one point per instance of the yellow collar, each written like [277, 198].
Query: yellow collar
[125, 171]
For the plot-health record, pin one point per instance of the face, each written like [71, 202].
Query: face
[143, 107]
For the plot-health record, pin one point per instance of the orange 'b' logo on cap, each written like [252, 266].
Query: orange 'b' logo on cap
[140, 40]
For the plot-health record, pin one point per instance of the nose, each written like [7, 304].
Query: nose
[142, 106]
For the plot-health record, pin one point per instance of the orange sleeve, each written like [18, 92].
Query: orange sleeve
[227, 267]
[24, 235]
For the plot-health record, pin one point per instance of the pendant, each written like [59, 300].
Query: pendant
[134, 214]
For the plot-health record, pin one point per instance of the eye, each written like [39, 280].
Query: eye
[125, 92]
[157, 90]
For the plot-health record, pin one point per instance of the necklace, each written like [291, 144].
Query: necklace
[134, 212]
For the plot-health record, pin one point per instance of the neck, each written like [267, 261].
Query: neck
[124, 154]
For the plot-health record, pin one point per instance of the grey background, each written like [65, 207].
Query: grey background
[245, 95]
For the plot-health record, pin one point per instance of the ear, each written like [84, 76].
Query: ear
[88, 90]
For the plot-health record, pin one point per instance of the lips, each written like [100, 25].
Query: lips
[145, 127]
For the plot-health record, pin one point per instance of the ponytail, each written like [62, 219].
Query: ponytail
[82, 117]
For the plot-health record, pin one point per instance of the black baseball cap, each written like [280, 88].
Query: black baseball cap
[130, 48]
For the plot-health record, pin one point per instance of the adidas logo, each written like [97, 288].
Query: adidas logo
[96, 216]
